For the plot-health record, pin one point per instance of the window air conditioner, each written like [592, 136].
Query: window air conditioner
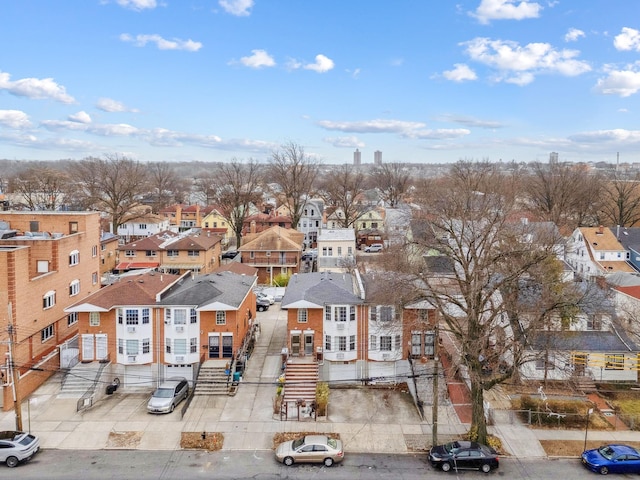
[386, 356]
[340, 326]
[340, 356]
[180, 329]
[132, 358]
[131, 329]
[179, 358]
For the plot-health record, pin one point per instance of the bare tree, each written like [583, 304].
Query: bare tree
[563, 194]
[113, 185]
[295, 172]
[166, 186]
[621, 201]
[392, 179]
[470, 218]
[341, 188]
[233, 188]
[41, 188]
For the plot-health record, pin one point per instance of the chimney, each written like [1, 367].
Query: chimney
[600, 230]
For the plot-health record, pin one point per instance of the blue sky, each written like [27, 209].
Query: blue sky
[429, 81]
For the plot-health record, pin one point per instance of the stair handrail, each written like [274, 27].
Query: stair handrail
[82, 404]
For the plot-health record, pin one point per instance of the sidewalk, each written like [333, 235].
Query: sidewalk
[365, 421]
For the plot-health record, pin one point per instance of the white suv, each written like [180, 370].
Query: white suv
[373, 248]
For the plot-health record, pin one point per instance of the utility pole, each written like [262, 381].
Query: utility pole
[436, 360]
[15, 376]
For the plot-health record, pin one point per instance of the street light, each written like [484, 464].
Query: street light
[586, 430]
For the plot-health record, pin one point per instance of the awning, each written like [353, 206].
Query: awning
[131, 265]
[182, 266]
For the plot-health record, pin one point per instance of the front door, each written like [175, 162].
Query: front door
[295, 344]
[308, 343]
[214, 346]
[102, 349]
[227, 346]
[87, 348]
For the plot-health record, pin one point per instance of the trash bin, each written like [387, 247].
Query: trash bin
[111, 389]
[236, 377]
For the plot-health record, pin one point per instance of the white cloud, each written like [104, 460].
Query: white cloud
[36, 88]
[344, 142]
[506, 10]
[80, 117]
[110, 105]
[520, 64]
[469, 121]
[573, 35]
[629, 39]
[162, 43]
[620, 82]
[14, 119]
[258, 59]
[400, 127]
[137, 5]
[614, 136]
[240, 8]
[460, 73]
[323, 64]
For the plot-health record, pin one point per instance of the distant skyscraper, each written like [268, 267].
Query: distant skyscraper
[357, 157]
[553, 157]
[377, 157]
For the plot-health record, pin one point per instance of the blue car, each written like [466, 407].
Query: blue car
[612, 459]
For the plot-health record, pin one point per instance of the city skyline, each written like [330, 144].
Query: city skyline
[421, 82]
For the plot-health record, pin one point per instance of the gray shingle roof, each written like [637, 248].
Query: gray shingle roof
[588, 341]
[321, 288]
[223, 287]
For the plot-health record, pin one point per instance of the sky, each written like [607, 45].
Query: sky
[422, 81]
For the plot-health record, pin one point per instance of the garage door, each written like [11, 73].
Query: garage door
[138, 376]
[185, 371]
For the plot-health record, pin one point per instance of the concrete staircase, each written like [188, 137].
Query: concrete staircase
[79, 380]
[212, 380]
[584, 384]
[300, 382]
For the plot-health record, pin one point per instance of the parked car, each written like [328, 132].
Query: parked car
[16, 447]
[374, 248]
[310, 255]
[311, 449]
[270, 298]
[168, 395]
[229, 254]
[464, 455]
[614, 458]
[262, 304]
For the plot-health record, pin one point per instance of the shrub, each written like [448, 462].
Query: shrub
[322, 398]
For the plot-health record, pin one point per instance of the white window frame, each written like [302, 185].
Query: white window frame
[74, 288]
[221, 317]
[94, 319]
[303, 315]
[49, 300]
[72, 319]
[74, 258]
[47, 333]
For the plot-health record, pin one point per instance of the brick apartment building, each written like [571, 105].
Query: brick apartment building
[48, 260]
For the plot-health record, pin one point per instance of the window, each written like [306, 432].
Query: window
[129, 253]
[352, 342]
[330, 251]
[120, 346]
[172, 253]
[145, 315]
[132, 316]
[302, 315]
[324, 251]
[373, 314]
[193, 345]
[374, 224]
[193, 253]
[352, 313]
[74, 258]
[349, 250]
[72, 319]
[614, 362]
[47, 333]
[373, 342]
[94, 276]
[193, 316]
[179, 316]
[151, 253]
[167, 316]
[341, 314]
[180, 346]
[342, 344]
[132, 347]
[49, 300]
[103, 247]
[327, 313]
[339, 251]
[146, 345]
[94, 319]
[601, 255]
[221, 318]
[594, 323]
[397, 343]
[74, 288]
[327, 343]
[120, 316]
[94, 251]
[385, 343]
[73, 227]
[550, 362]
[386, 313]
[167, 345]
[142, 226]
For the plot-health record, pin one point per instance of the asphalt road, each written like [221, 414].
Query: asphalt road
[261, 465]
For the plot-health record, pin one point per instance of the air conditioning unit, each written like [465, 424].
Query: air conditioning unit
[340, 356]
[340, 326]
[132, 358]
[386, 356]
[179, 358]
[180, 329]
[131, 329]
